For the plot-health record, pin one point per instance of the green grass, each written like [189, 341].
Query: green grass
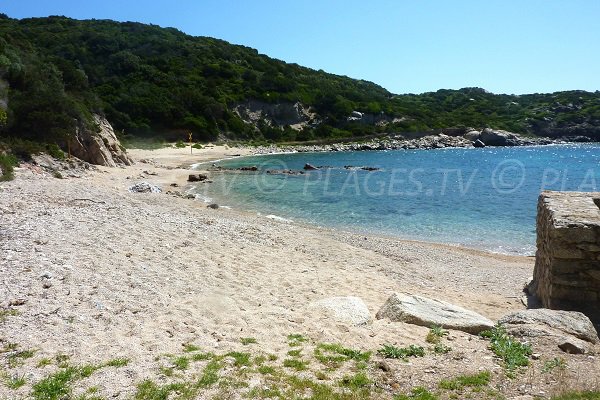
[462, 381]
[553, 364]
[334, 354]
[296, 364]
[117, 362]
[17, 358]
[435, 334]
[188, 348]
[210, 375]
[44, 362]
[7, 312]
[294, 353]
[513, 353]
[390, 351]
[355, 382]
[201, 356]
[14, 382]
[181, 363]
[240, 359]
[56, 386]
[296, 339]
[418, 393]
[441, 348]
[248, 340]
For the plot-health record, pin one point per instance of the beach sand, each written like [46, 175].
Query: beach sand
[103, 273]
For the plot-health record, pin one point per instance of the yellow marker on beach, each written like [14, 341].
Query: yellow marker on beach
[190, 135]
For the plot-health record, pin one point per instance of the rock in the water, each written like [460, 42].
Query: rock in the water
[214, 206]
[197, 178]
[492, 137]
[572, 323]
[144, 187]
[422, 311]
[478, 143]
[98, 147]
[251, 168]
[349, 310]
[310, 167]
[472, 135]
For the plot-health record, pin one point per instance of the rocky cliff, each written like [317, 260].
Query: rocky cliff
[99, 147]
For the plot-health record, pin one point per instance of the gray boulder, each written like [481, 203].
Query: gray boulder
[493, 137]
[422, 311]
[144, 187]
[348, 310]
[545, 322]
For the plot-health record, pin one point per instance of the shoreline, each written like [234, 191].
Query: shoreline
[95, 273]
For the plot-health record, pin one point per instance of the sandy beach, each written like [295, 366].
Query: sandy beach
[96, 273]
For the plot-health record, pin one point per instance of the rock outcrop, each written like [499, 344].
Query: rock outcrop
[295, 115]
[98, 147]
[567, 263]
[422, 311]
[348, 310]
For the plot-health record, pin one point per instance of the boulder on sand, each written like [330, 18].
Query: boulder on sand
[418, 310]
[349, 310]
[543, 321]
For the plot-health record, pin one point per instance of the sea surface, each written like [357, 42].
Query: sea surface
[479, 198]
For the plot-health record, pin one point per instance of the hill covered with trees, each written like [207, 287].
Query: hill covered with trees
[56, 72]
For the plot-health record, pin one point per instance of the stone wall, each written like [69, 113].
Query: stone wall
[567, 262]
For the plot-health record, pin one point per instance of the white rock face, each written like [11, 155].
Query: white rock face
[100, 148]
[422, 311]
[348, 310]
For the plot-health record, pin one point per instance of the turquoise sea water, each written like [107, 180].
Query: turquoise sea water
[481, 198]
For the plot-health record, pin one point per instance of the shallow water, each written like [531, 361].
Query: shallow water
[481, 198]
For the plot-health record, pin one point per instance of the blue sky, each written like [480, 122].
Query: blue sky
[504, 46]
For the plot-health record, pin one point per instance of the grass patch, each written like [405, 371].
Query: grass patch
[44, 362]
[181, 363]
[513, 353]
[462, 381]
[201, 356]
[553, 364]
[14, 382]
[435, 334]
[17, 358]
[210, 375]
[356, 382]
[7, 312]
[418, 393]
[266, 370]
[296, 339]
[188, 348]
[390, 351]
[296, 364]
[240, 359]
[56, 386]
[248, 340]
[117, 362]
[441, 348]
[333, 354]
[294, 353]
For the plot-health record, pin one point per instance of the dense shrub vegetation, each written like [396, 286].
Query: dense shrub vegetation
[152, 81]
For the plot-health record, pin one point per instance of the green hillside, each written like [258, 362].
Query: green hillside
[152, 81]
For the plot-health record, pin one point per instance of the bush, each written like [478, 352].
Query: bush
[7, 164]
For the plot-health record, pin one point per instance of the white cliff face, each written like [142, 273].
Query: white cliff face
[295, 115]
[100, 148]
